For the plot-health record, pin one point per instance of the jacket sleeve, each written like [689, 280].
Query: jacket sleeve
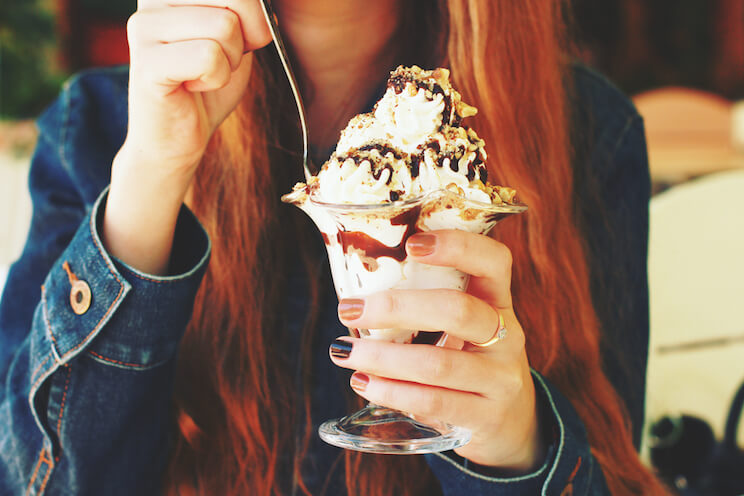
[569, 467]
[87, 344]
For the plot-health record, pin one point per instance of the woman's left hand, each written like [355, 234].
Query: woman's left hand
[487, 390]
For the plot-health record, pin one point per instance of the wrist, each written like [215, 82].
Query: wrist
[530, 447]
[141, 212]
[135, 165]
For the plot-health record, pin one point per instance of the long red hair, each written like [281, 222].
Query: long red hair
[235, 407]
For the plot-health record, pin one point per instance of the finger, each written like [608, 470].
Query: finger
[252, 21]
[474, 254]
[455, 407]
[448, 310]
[186, 23]
[423, 364]
[201, 65]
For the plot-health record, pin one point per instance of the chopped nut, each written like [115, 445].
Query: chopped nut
[466, 110]
[507, 194]
[455, 189]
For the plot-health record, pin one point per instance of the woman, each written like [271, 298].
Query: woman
[114, 385]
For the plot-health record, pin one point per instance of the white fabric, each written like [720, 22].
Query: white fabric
[696, 282]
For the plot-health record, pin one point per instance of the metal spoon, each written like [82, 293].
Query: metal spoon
[279, 44]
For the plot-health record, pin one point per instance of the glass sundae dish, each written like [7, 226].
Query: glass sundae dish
[407, 167]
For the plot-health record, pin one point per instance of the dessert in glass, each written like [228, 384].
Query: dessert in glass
[408, 166]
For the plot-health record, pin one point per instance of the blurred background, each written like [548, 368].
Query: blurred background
[682, 62]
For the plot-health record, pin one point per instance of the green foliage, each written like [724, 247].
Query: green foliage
[28, 81]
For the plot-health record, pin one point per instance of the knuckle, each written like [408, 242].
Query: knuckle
[213, 60]
[133, 27]
[227, 23]
[211, 52]
[390, 304]
[505, 254]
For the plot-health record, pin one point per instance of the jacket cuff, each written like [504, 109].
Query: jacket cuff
[124, 318]
[568, 463]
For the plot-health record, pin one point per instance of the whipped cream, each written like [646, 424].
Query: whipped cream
[412, 143]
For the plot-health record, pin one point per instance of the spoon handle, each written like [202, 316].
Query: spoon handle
[279, 44]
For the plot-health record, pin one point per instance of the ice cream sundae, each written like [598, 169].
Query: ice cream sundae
[408, 166]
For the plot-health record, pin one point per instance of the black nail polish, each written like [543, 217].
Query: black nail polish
[341, 349]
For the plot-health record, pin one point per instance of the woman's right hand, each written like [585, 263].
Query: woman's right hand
[189, 67]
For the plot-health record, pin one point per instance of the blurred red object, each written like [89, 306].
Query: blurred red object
[87, 40]
[106, 44]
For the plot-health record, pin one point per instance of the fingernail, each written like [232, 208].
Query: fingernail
[421, 244]
[359, 381]
[341, 349]
[350, 309]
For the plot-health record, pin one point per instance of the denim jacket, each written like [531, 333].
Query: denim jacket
[88, 344]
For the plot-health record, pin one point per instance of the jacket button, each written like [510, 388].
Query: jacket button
[80, 297]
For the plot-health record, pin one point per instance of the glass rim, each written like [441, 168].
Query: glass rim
[394, 205]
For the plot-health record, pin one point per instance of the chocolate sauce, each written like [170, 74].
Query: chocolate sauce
[356, 158]
[370, 246]
[434, 145]
[481, 167]
[447, 112]
[373, 248]
[471, 172]
[454, 164]
[377, 173]
[398, 83]
[415, 164]
[383, 149]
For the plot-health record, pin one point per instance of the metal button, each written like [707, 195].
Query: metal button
[80, 297]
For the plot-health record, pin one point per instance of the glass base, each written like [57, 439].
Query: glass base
[375, 429]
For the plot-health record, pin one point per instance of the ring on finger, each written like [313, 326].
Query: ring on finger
[497, 336]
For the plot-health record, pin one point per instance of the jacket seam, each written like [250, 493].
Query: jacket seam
[123, 364]
[36, 471]
[38, 367]
[62, 408]
[156, 281]
[175, 278]
[561, 429]
[50, 466]
[491, 479]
